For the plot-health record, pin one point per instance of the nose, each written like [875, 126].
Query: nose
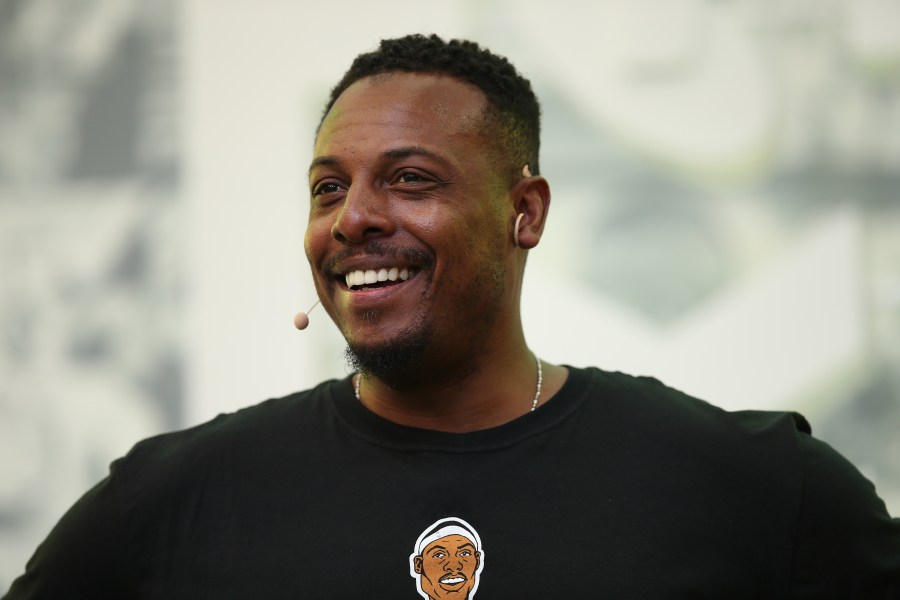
[453, 565]
[364, 214]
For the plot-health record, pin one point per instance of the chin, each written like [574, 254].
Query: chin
[393, 359]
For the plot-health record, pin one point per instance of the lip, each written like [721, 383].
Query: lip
[375, 297]
[366, 263]
[401, 297]
[382, 277]
[374, 256]
[452, 585]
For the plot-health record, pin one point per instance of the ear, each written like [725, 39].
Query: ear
[531, 198]
[417, 564]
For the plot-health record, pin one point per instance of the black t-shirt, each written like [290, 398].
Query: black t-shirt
[618, 487]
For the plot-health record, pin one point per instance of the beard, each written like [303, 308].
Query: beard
[395, 360]
[399, 360]
[402, 360]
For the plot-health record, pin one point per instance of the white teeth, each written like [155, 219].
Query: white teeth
[358, 278]
[452, 580]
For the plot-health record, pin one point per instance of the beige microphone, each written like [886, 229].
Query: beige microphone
[301, 319]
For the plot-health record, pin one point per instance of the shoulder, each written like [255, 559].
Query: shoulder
[843, 541]
[713, 456]
[248, 423]
[847, 544]
[648, 405]
[132, 517]
[707, 453]
[157, 466]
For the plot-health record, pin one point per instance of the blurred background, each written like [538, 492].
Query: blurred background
[726, 212]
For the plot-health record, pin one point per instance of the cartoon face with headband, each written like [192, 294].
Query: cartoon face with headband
[447, 560]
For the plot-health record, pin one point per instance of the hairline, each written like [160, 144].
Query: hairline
[491, 116]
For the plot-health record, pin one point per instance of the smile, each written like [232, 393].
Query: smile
[452, 580]
[359, 278]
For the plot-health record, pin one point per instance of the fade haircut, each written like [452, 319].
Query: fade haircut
[513, 116]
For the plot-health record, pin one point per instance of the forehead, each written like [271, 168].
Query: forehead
[450, 541]
[405, 108]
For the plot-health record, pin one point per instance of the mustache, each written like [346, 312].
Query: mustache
[414, 256]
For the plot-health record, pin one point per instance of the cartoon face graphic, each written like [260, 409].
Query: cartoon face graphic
[447, 560]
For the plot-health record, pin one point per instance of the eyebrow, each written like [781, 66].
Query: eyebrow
[328, 161]
[410, 151]
[404, 152]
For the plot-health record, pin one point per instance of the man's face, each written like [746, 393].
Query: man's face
[403, 185]
[448, 567]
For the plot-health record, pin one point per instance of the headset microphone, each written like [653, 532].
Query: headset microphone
[301, 319]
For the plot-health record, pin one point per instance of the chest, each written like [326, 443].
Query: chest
[364, 525]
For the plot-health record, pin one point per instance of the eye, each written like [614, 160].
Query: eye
[465, 553]
[410, 177]
[438, 555]
[327, 187]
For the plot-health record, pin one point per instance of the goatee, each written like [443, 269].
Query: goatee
[393, 361]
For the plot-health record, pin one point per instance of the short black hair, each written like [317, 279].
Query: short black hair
[513, 115]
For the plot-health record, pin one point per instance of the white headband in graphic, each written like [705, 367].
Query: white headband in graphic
[443, 528]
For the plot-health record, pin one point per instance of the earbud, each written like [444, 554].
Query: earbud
[516, 229]
[301, 319]
[526, 172]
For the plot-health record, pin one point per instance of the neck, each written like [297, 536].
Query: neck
[462, 398]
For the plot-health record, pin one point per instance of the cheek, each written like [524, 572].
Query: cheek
[476, 229]
[486, 243]
[430, 568]
[318, 235]
[490, 225]
[425, 220]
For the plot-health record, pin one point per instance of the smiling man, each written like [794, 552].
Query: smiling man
[418, 178]
[447, 561]
[425, 199]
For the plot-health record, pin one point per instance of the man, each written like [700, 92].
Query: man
[447, 560]
[426, 196]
